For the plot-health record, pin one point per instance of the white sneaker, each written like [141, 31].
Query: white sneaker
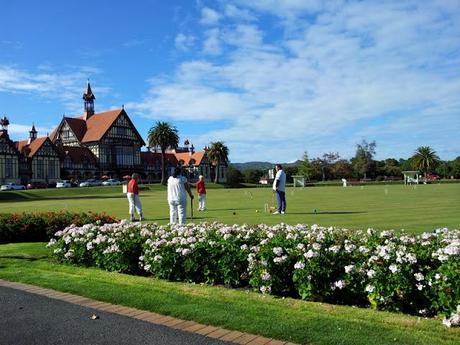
[282, 212]
[276, 212]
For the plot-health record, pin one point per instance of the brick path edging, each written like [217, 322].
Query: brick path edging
[147, 316]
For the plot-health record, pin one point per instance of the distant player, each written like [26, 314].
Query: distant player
[201, 190]
[279, 187]
[133, 198]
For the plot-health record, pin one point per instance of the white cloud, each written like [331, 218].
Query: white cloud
[237, 13]
[184, 42]
[22, 131]
[209, 16]
[66, 87]
[212, 44]
[384, 71]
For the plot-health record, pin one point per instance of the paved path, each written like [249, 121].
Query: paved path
[33, 315]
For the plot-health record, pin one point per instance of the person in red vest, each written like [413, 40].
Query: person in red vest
[201, 190]
[133, 198]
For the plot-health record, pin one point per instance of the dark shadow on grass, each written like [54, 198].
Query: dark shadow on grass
[229, 209]
[328, 212]
[22, 257]
[18, 198]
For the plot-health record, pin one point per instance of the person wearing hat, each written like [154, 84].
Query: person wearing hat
[133, 198]
[201, 190]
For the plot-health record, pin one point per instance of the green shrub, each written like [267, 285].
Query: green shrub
[35, 227]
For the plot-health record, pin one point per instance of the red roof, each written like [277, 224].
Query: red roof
[94, 128]
[186, 157]
[151, 157]
[30, 149]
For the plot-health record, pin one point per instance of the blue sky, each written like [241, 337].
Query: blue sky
[271, 78]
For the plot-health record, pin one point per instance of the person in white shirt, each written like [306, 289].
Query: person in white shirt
[177, 197]
[279, 187]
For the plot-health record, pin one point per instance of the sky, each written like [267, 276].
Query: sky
[272, 79]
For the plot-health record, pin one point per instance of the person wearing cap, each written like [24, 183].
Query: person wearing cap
[178, 188]
[133, 198]
[201, 190]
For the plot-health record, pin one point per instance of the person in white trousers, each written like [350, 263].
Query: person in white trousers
[201, 190]
[177, 197]
[133, 198]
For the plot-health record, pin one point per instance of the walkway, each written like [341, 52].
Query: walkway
[34, 315]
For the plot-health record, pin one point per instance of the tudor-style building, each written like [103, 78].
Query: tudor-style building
[110, 136]
[94, 145]
[9, 155]
[39, 159]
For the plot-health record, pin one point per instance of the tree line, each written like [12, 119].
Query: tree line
[362, 166]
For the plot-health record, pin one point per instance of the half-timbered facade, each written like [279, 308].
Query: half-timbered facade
[9, 156]
[39, 159]
[110, 136]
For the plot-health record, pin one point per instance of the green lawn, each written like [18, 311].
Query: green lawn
[416, 209]
[284, 319]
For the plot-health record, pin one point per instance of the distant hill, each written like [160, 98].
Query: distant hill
[259, 165]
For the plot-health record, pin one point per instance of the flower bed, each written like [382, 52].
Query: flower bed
[33, 227]
[412, 274]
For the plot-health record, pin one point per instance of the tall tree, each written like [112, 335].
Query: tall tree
[164, 136]
[363, 162]
[425, 159]
[218, 153]
[305, 168]
[326, 161]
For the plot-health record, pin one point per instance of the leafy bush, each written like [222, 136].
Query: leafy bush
[33, 227]
[412, 274]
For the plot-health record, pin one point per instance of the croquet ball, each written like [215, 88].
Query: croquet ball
[257, 211]
[234, 213]
[314, 211]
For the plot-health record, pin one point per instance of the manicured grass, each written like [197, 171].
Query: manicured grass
[284, 319]
[413, 208]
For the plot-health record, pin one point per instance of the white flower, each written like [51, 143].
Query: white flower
[393, 268]
[419, 277]
[265, 276]
[265, 289]
[370, 288]
[278, 251]
[370, 273]
[419, 287]
[310, 254]
[89, 245]
[340, 284]
[157, 258]
[349, 268]
[316, 246]
[52, 242]
[147, 267]
[299, 265]
[185, 252]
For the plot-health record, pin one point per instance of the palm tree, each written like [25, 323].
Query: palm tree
[163, 135]
[218, 153]
[424, 159]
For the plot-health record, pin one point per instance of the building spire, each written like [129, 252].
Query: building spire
[88, 98]
[32, 134]
[4, 122]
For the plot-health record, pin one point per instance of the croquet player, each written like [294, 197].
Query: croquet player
[201, 190]
[178, 188]
[279, 187]
[133, 198]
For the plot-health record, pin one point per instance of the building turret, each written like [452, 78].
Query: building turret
[4, 122]
[88, 98]
[32, 134]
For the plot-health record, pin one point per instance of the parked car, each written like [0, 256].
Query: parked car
[63, 184]
[91, 182]
[37, 185]
[432, 177]
[111, 182]
[12, 186]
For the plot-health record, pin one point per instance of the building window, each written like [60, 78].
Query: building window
[9, 168]
[52, 169]
[40, 169]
